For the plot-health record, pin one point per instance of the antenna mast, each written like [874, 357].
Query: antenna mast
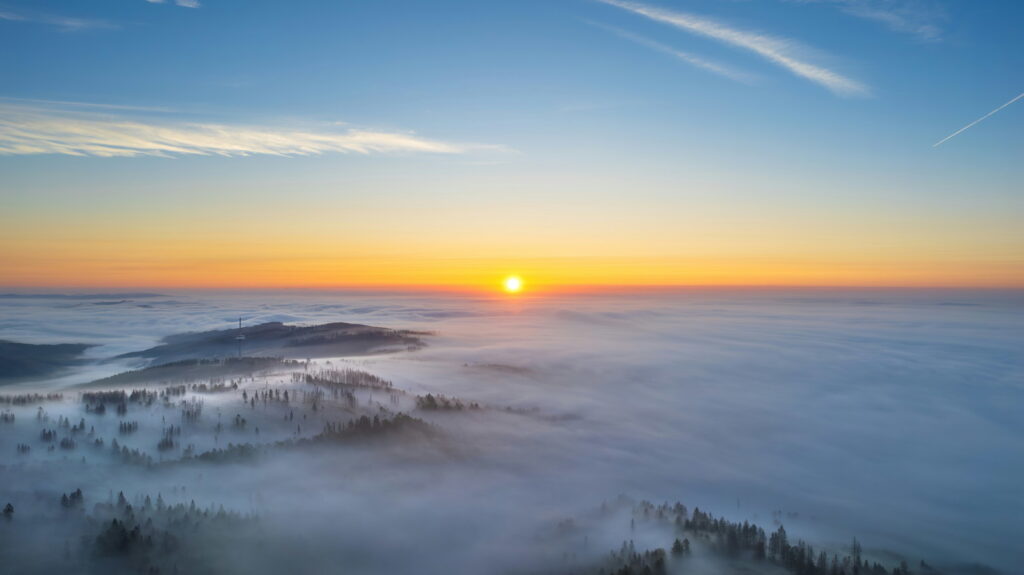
[240, 338]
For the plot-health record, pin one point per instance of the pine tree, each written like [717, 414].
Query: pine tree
[677, 547]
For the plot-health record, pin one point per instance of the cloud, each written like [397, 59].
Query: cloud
[904, 16]
[63, 22]
[85, 105]
[976, 122]
[28, 130]
[780, 51]
[182, 3]
[696, 61]
[742, 401]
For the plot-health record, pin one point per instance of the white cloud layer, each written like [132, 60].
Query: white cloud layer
[39, 130]
[780, 51]
[745, 401]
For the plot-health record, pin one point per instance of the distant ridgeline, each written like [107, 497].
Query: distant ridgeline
[276, 339]
[82, 296]
[26, 360]
[240, 350]
[187, 370]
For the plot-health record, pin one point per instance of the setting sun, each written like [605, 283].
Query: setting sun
[513, 284]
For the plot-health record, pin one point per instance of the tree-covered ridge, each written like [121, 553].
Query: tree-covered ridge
[325, 401]
[347, 377]
[30, 398]
[275, 339]
[438, 402]
[190, 370]
[143, 535]
[737, 543]
[27, 360]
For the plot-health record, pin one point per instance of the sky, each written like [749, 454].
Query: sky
[451, 143]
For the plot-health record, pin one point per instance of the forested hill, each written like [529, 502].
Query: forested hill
[280, 340]
[27, 360]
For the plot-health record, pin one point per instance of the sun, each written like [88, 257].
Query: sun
[513, 284]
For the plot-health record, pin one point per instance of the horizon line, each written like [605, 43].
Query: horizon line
[486, 289]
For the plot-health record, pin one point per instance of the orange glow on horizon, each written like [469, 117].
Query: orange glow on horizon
[547, 275]
[390, 247]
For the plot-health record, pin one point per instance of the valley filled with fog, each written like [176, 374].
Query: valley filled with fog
[555, 434]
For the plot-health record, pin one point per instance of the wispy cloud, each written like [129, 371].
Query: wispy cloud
[913, 17]
[63, 22]
[47, 130]
[36, 102]
[182, 3]
[780, 51]
[696, 61]
[976, 122]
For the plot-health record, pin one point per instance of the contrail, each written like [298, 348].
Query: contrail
[986, 116]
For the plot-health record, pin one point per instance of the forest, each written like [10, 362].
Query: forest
[299, 409]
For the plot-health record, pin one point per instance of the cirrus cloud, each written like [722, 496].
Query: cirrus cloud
[182, 3]
[914, 17]
[692, 59]
[26, 130]
[65, 23]
[779, 51]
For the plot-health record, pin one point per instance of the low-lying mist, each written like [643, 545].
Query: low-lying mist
[525, 435]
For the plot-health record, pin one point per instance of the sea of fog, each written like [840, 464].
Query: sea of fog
[891, 415]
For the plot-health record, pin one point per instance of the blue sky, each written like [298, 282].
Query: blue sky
[758, 114]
